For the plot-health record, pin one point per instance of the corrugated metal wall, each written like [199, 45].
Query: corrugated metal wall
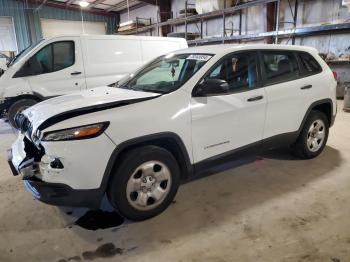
[16, 9]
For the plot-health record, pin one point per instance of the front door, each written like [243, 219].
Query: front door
[234, 119]
[58, 68]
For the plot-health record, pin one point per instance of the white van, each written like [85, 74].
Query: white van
[66, 64]
[3, 62]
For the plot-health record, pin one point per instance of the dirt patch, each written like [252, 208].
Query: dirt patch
[103, 251]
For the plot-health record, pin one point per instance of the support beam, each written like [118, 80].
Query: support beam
[121, 6]
[134, 7]
[165, 14]
[69, 2]
[295, 17]
[41, 4]
[270, 20]
[63, 5]
[95, 3]
[152, 2]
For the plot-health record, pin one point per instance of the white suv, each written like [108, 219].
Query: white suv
[179, 115]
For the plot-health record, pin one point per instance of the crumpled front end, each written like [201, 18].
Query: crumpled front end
[67, 173]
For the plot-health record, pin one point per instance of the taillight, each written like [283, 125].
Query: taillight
[335, 75]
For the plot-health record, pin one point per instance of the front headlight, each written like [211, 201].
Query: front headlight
[76, 133]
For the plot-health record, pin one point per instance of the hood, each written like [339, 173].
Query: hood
[60, 108]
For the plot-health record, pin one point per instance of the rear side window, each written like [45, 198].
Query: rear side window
[54, 57]
[279, 66]
[309, 65]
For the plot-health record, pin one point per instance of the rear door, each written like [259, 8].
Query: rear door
[286, 92]
[59, 68]
[232, 120]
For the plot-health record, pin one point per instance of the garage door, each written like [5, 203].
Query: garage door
[52, 27]
[7, 35]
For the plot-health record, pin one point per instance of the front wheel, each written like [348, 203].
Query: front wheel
[145, 183]
[313, 137]
[18, 107]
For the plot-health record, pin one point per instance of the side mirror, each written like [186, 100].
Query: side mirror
[211, 87]
[30, 68]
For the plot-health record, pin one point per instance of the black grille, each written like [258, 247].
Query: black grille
[23, 124]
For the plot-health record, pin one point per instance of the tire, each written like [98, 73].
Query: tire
[144, 174]
[313, 137]
[18, 107]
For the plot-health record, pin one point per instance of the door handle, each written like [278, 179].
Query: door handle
[306, 87]
[255, 98]
[75, 73]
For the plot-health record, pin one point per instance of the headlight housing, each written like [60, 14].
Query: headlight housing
[76, 133]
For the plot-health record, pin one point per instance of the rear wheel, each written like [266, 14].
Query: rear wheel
[145, 183]
[313, 137]
[18, 107]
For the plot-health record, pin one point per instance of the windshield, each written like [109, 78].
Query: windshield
[166, 73]
[23, 53]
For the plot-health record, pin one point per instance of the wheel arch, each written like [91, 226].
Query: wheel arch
[325, 106]
[168, 140]
[14, 99]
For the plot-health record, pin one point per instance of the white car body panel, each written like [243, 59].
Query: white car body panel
[218, 125]
[204, 124]
[88, 98]
[101, 148]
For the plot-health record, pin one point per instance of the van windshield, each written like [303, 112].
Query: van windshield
[23, 53]
[166, 73]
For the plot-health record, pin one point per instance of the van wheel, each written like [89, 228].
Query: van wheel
[145, 183]
[313, 137]
[18, 107]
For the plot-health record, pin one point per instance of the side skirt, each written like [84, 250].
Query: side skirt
[242, 155]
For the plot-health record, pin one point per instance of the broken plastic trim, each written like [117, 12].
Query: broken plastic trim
[31, 189]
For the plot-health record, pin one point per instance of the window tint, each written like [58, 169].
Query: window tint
[309, 64]
[54, 57]
[238, 70]
[279, 66]
[44, 60]
[63, 55]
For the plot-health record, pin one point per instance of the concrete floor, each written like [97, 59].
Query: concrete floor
[274, 209]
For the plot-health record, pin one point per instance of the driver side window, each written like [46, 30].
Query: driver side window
[238, 70]
[53, 57]
[44, 59]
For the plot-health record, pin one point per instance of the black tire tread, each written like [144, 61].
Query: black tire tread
[128, 162]
[13, 109]
[300, 149]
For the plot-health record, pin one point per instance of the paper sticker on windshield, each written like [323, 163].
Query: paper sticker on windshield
[199, 57]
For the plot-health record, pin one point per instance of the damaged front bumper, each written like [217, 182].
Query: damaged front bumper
[26, 160]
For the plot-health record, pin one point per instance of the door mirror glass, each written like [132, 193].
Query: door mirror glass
[212, 87]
